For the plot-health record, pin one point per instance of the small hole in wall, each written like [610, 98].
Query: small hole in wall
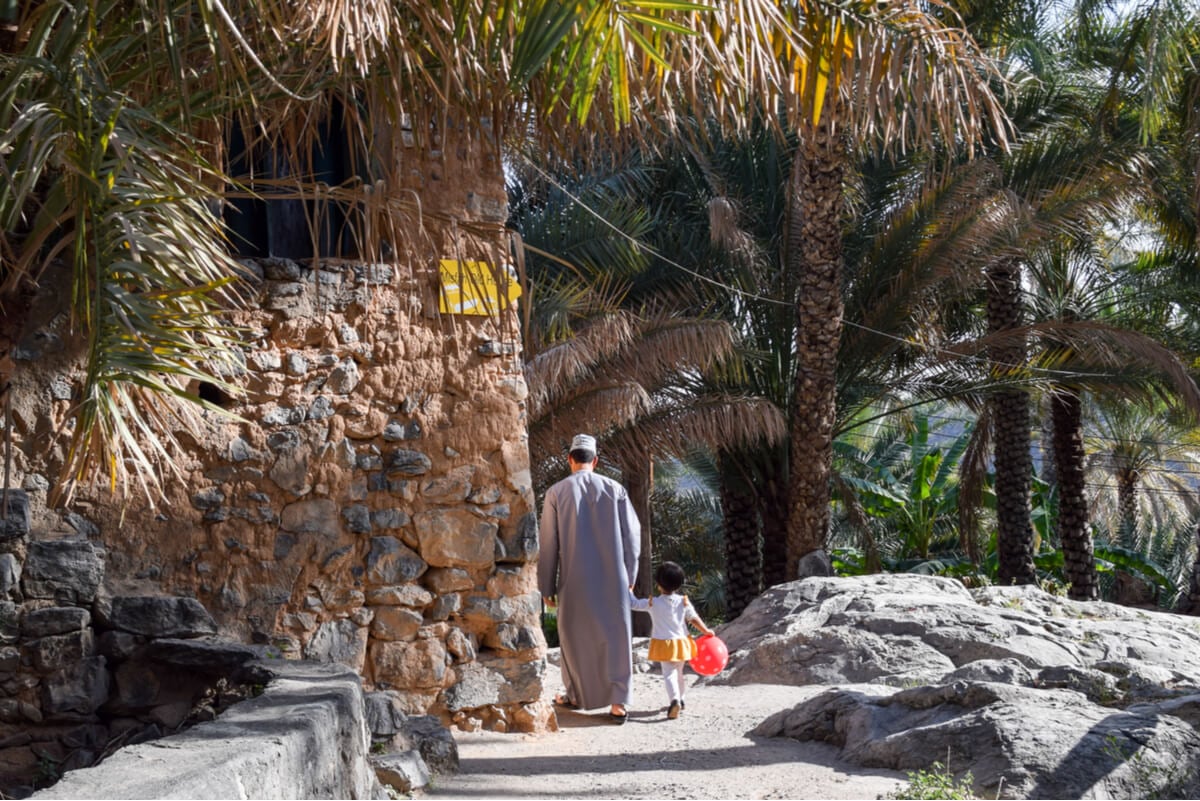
[213, 394]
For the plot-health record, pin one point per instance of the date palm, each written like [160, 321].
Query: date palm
[114, 116]
[873, 74]
[617, 352]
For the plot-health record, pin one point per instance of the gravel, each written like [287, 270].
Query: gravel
[706, 753]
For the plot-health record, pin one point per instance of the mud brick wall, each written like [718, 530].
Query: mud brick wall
[369, 502]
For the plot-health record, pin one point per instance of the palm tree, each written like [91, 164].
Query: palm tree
[616, 352]
[890, 75]
[1143, 500]
[114, 139]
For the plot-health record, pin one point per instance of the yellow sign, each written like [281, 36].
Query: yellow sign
[475, 287]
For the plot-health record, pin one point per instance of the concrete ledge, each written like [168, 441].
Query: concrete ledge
[304, 737]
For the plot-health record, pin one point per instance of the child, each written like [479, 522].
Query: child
[670, 644]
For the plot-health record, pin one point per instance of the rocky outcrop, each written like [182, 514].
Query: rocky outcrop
[1034, 695]
[305, 736]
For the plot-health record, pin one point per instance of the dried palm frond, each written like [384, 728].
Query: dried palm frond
[713, 421]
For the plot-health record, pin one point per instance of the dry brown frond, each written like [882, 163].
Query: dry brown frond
[554, 371]
[599, 409]
[972, 475]
[669, 347]
[715, 422]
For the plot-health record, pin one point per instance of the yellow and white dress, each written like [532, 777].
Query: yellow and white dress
[670, 640]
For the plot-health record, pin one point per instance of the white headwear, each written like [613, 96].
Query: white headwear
[583, 442]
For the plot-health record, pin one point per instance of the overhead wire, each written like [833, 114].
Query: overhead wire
[734, 290]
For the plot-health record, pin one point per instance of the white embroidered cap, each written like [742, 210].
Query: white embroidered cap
[583, 442]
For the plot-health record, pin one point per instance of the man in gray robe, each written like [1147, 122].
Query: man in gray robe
[590, 542]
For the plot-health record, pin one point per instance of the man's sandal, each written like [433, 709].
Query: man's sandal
[564, 702]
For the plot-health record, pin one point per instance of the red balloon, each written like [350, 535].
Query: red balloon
[711, 656]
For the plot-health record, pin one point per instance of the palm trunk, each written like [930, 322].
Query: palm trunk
[1127, 508]
[743, 554]
[1192, 605]
[639, 483]
[1067, 438]
[1010, 418]
[773, 497]
[814, 256]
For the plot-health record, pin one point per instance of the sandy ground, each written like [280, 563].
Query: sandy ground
[706, 753]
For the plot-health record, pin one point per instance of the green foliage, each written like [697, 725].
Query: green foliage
[49, 771]
[902, 480]
[936, 783]
[550, 628]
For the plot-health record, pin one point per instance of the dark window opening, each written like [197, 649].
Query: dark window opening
[280, 226]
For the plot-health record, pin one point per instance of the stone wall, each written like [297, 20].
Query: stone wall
[371, 503]
[83, 673]
[303, 737]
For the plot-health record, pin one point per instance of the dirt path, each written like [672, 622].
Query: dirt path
[706, 753]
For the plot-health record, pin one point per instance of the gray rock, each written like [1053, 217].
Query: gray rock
[392, 562]
[10, 622]
[265, 361]
[10, 660]
[381, 713]
[373, 274]
[1098, 686]
[60, 388]
[36, 345]
[77, 690]
[434, 741]
[209, 656]
[66, 571]
[279, 269]
[117, 646]
[390, 518]
[343, 378]
[36, 482]
[60, 650]
[494, 681]
[816, 563]
[1017, 742]
[408, 462]
[403, 772]
[16, 519]
[159, 616]
[521, 544]
[10, 576]
[444, 607]
[1031, 693]
[54, 620]
[321, 408]
[340, 641]
[1004, 671]
[241, 451]
[208, 498]
[358, 518]
[85, 528]
[284, 416]
[283, 441]
[296, 364]
[396, 432]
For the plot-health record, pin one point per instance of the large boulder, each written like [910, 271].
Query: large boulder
[1034, 695]
[1016, 742]
[903, 630]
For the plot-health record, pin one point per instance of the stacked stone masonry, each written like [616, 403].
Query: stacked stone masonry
[370, 504]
